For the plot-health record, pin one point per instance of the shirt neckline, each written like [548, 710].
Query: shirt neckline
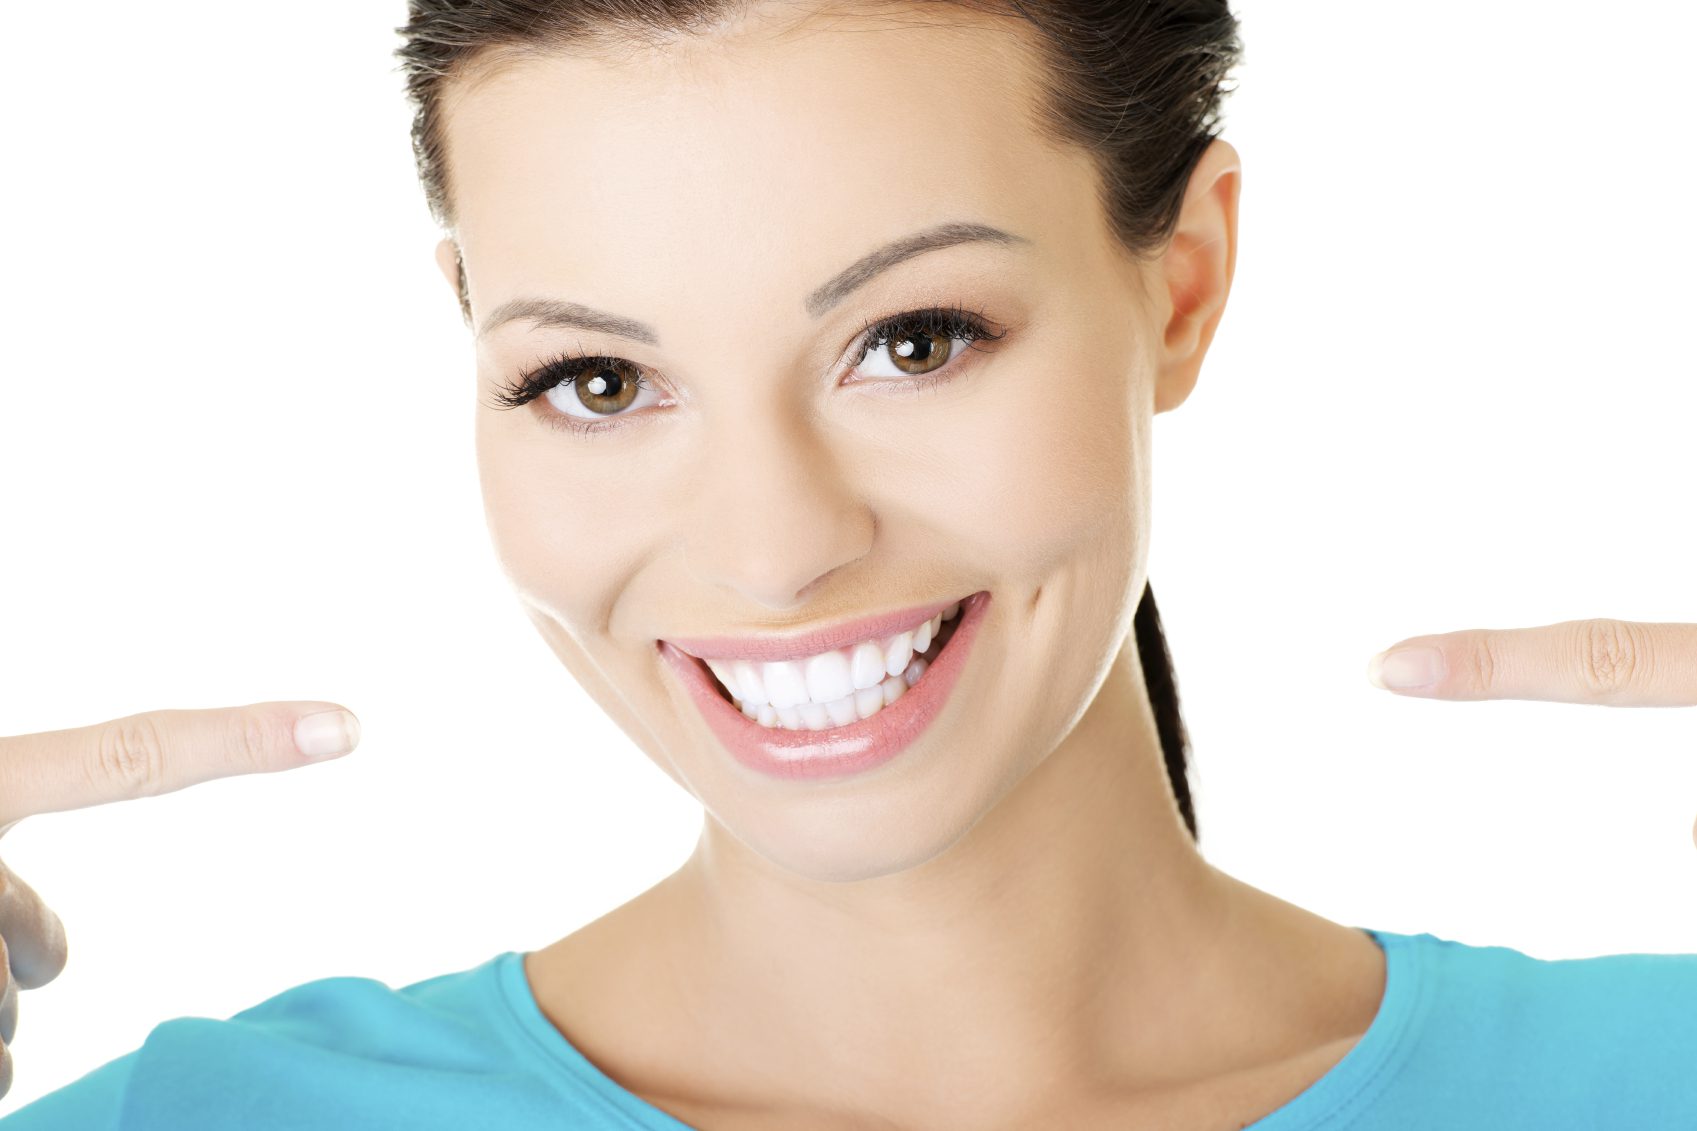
[1352, 1083]
[525, 1014]
[1347, 1086]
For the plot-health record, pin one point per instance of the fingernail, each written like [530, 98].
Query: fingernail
[326, 733]
[1406, 669]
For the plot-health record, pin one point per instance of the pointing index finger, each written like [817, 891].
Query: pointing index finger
[1598, 660]
[161, 751]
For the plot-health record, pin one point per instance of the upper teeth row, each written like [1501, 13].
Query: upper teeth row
[829, 675]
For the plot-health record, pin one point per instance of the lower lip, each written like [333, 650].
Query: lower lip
[835, 751]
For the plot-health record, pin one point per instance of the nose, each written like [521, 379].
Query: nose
[773, 511]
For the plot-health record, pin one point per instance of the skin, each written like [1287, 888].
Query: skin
[1009, 919]
[907, 962]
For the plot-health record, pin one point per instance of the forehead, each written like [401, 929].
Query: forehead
[752, 143]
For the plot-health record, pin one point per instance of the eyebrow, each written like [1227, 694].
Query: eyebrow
[558, 314]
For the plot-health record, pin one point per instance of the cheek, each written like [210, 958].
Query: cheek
[566, 527]
[569, 537]
[1046, 465]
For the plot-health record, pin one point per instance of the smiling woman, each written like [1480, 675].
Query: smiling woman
[818, 348]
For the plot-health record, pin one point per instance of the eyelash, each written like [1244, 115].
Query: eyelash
[953, 322]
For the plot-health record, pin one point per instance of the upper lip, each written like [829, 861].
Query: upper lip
[795, 646]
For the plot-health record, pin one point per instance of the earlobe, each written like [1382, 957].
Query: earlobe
[1196, 270]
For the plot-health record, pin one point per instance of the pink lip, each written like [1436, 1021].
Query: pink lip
[834, 751]
[770, 649]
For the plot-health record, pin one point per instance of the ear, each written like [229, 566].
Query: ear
[1196, 271]
[449, 263]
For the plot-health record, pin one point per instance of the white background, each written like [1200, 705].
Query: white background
[1453, 389]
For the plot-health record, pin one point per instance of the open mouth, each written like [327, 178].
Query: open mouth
[837, 688]
[837, 713]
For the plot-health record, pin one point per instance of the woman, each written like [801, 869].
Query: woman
[880, 602]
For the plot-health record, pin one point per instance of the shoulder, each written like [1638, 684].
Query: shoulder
[1639, 996]
[337, 1051]
[285, 1062]
[446, 1015]
[1611, 1038]
[92, 1102]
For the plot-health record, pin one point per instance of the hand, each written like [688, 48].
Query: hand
[135, 756]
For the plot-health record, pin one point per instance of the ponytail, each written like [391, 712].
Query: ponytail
[1163, 700]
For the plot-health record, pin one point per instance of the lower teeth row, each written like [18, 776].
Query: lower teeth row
[863, 704]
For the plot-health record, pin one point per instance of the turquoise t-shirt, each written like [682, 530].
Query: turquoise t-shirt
[1467, 1038]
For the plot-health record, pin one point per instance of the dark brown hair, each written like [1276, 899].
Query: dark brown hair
[1138, 84]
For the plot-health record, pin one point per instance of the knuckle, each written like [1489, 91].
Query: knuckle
[1482, 661]
[131, 752]
[1609, 656]
[251, 739]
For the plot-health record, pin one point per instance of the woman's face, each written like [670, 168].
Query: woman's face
[765, 481]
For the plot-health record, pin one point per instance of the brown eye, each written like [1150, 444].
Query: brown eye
[585, 392]
[608, 388]
[921, 343]
[918, 354]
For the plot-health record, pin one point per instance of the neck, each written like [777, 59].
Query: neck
[1066, 932]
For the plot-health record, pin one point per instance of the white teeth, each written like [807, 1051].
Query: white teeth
[844, 683]
[899, 652]
[861, 704]
[842, 711]
[828, 676]
[785, 683]
[894, 688]
[867, 665]
[748, 686]
[723, 671]
[740, 679]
